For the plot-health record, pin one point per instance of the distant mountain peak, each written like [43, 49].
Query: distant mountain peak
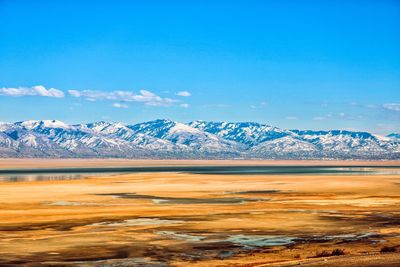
[30, 124]
[395, 136]
[164, 138]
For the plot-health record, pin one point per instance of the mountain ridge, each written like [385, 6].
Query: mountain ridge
[165, 138]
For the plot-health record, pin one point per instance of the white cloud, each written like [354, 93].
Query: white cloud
[120, 105]
[37, 90]
[183, 93]
[392, 106]
[74, 93]
[52, 92]
[144, 96]
[338, 116]
[291, 118]
[319, 118]
[262, 104]
[184, 105]
[371, 106]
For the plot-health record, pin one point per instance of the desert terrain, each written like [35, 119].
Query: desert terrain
[191, 219]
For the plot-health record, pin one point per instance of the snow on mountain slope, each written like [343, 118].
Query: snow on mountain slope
[25, 143]
[394, 136]
[6, 141]
[248, 133]
[32, 124]
[286, 144]
[67, 137]
[340, 141]
[198, 139]
[126, 136]
[110, 130]
[184, 136]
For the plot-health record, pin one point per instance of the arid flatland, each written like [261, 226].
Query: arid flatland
[181, 219]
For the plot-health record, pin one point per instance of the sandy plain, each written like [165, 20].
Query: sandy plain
[183, 219]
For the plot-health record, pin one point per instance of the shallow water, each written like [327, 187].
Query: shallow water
[181, 236]
[139, 222]
[17, 175]
[184, 200]
[260, 240]
[32, 176]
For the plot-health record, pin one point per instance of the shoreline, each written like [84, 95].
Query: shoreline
[6, 163]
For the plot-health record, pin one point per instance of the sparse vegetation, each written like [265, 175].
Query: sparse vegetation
[337, 252]
[388, 249]
[290, 246]
[324, 253]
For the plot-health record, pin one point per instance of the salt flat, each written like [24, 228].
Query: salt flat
[180, 219]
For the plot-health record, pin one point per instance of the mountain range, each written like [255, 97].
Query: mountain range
[195, 140]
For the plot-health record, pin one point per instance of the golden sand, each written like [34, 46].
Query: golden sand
[197, 219]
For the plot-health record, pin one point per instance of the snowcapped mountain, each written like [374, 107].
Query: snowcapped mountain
[197, 139]
[44, 124]
[248, 133]
[348, 144]
[184, 136]
[286, 145]
[394, 136]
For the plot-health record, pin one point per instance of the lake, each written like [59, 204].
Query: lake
[48, 174]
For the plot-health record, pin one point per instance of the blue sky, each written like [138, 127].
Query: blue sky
[292, 64]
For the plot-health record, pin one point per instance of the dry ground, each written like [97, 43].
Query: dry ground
[177, 219]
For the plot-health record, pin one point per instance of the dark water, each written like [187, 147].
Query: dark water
[15, 175]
